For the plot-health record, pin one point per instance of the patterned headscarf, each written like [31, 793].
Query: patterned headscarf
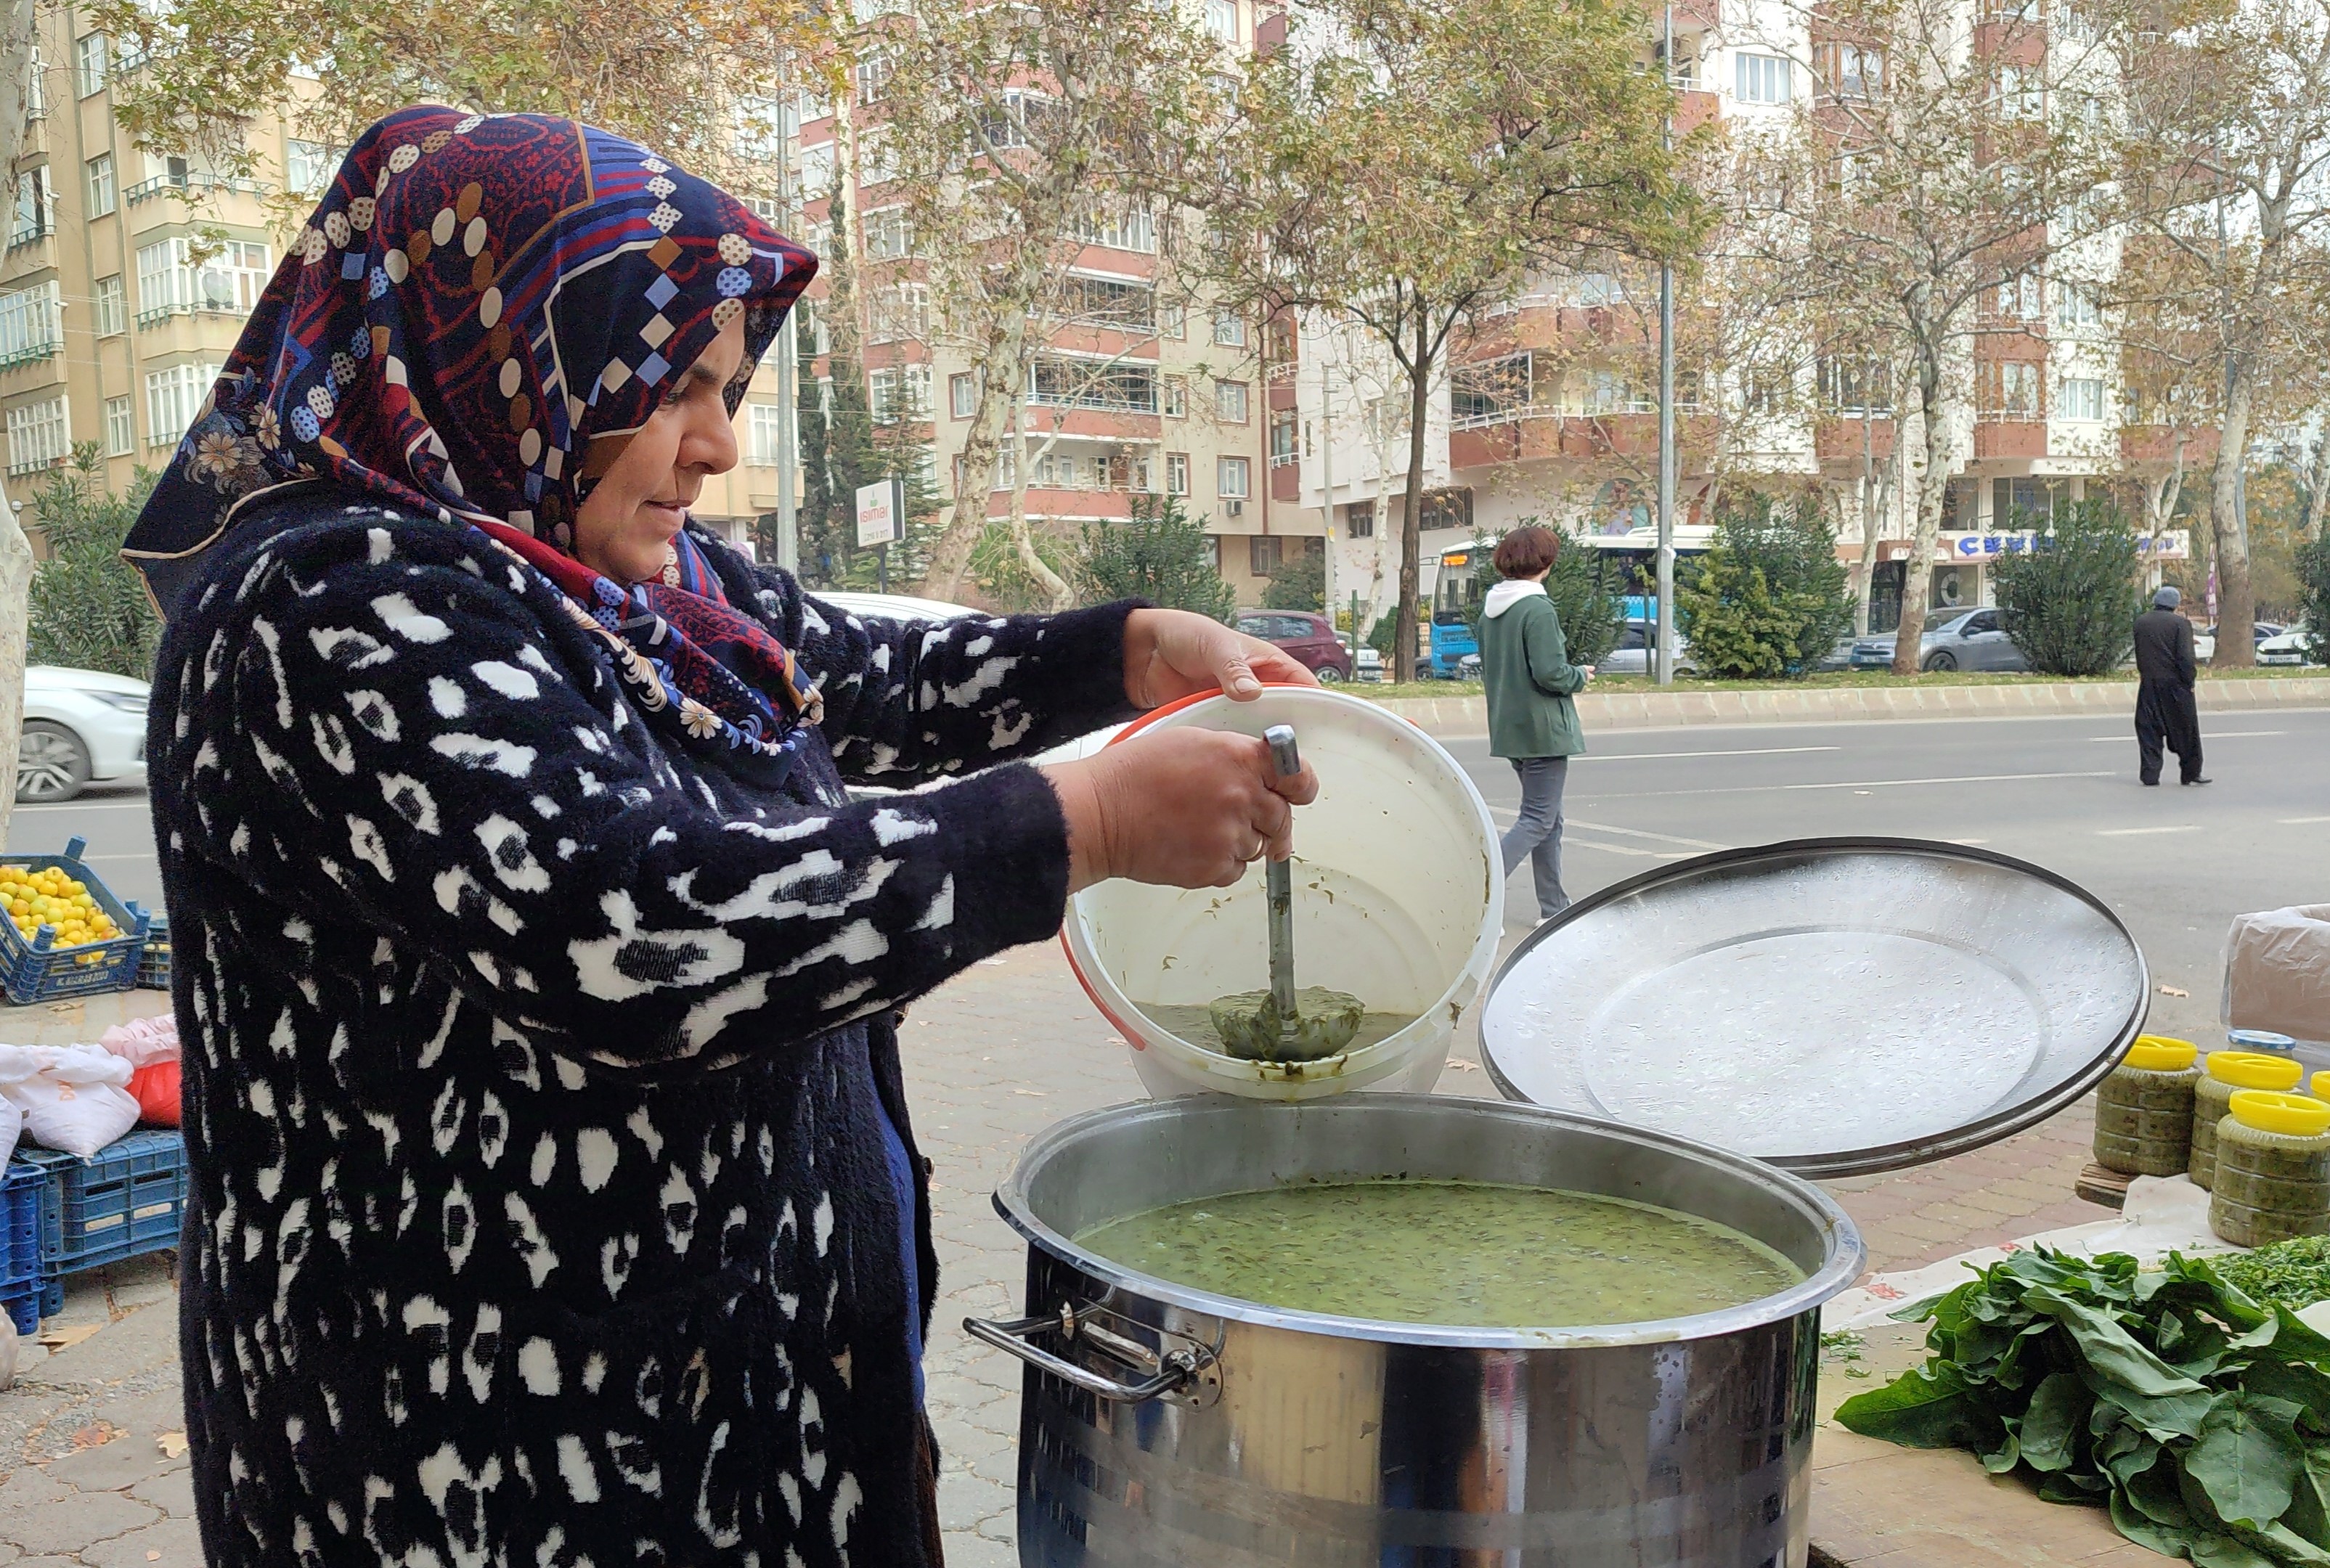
[475, 301]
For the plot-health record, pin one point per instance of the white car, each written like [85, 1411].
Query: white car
[80, 727]
[905, 607]
[2294, 646]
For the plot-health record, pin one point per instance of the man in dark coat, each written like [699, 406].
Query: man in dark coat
[2164, 709]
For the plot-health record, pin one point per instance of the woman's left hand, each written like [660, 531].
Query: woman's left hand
[1169, 654]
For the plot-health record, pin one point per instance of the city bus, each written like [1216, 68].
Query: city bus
[1632, 558]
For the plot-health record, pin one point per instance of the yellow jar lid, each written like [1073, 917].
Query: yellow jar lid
[2159, 1053]
[2293, 1114]
[2255, 1070]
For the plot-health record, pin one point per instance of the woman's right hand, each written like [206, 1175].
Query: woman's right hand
[1182, 807]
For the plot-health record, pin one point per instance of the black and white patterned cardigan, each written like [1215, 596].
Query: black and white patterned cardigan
[535, 1070]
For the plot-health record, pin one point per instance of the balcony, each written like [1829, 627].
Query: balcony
[31, 353]
[2010, 435]
[153, 315]
[145, 190]
[1837, 438]
[1532, 434]
[1695, 108]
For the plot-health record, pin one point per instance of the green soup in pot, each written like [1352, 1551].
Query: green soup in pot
[1467, 1254]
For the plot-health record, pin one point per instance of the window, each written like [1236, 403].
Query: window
[816, 170]
[1360, 520]
[889, 235]
[100, 184]
[2075, 306]
[765, 428]
[1176, 473]
[1126, 386]
[308, 167]
[2011, 390]
[1107, 302]
[1852, 70]
[1856, 386]
[37, 208]
[873, 73]
[1177, 398]
[39, 436]
[763, 125]
[1229, 402]
[962, 395]
[1489, 390]
[36, 90]
[1282, 428]
[1765, 392]
[1231, 478]
[1172, 321]
[899, 393]
[2079, 397]
[1229, 329]
[1263, 555]
[2021, 93]
[120, 426]
[1764, 79]
[89, 64]
[2023, 298]
[1598, 288]
[902, 311]
[173, 398]
[1127, 229]
[112, 306]
[1222, 19]
[1213, 553]
[1006, 124]
[2071, 22]
[172, 282]
[30, 329]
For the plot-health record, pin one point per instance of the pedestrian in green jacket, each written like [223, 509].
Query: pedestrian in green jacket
[1532, 723]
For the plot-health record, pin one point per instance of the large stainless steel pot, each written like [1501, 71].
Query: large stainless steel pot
[1161, 1425]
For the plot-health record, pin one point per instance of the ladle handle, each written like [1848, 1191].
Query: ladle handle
[1279, 876]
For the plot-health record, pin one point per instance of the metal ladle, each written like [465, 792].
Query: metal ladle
[1283, 1023]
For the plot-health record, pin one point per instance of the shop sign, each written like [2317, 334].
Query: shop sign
[2174, 545]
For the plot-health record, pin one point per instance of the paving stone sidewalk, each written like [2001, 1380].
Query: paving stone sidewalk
[88, 1474]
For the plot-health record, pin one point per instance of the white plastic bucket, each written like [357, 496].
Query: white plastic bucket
[1400, 894]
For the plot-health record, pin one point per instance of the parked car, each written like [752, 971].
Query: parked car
[1369, 665]
[1311, 638]
[2293, 645]
[81, 727]
[1968, 637]
[1632, 654]
[2204, 639]
[1839, 657]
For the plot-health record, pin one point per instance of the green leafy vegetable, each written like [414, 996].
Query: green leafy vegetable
[2194, 1408]
[2293, 1274]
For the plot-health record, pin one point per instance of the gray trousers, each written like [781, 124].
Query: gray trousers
[1536, 834]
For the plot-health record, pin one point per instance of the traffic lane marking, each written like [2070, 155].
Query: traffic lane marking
[1664, 756]
[2139, 832]
[1861, 784]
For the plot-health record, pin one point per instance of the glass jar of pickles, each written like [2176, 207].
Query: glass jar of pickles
[2273, 1169]
[2229, 1073]
[2144, 1108]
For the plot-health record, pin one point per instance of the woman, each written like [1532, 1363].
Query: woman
[553, 1200]
[1530, 680]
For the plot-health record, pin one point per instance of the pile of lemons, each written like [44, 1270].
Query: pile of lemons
[35, 899]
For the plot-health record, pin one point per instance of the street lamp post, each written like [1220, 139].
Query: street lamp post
[788, 367]
[1664, 661]
[1327, 503]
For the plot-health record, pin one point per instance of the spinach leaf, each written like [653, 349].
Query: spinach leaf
[2248, 1458]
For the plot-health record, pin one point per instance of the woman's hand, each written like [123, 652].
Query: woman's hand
[1169, 654]
[1182, 807]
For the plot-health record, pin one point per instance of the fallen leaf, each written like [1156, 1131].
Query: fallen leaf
[63, 1338]
[173, 1444]
[152, 1556]
[1463, 1066]
[95, 1435]
[2174, 991]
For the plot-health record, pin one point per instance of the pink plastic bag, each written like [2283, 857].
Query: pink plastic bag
[143, 1041]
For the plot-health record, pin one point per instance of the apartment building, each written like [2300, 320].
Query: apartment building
[129, 272]
[1550, 407]
[1141, 386]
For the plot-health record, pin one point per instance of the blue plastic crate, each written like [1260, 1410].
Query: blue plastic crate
[35, 971]
[21, 1188]
[22, 1303]
[126, 1202]
[154, 958]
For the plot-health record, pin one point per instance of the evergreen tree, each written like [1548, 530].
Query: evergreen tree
[1769, 599]
[1160, 554]
[90, 609]
[2071, 604]
[2314, 594]
[1300, 582]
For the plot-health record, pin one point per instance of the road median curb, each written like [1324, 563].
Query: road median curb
[1655, 710]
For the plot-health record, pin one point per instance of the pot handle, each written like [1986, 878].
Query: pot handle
[1176, 1369]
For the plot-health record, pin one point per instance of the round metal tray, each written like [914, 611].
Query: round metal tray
[1833, 1006]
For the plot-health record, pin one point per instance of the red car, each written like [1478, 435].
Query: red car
[1309, 637]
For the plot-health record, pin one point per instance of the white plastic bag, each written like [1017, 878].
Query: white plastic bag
[17, 1063]
[79, 1101]
[2277, 972]
[142, 1042]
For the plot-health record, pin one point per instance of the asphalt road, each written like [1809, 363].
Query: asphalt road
[2177, 864]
